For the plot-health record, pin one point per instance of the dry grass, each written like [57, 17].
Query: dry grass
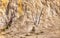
[37, 19]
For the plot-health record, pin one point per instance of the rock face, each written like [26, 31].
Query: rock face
[30, 19]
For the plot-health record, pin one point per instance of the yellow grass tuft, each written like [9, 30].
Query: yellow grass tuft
[20, 10]
[4, 3]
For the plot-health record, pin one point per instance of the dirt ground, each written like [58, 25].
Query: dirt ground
[30, 19]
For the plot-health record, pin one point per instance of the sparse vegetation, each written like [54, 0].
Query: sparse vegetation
[30, 19]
